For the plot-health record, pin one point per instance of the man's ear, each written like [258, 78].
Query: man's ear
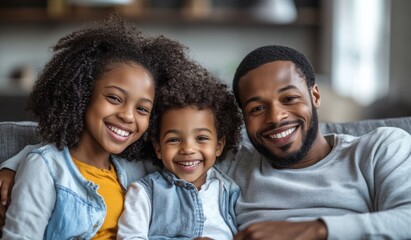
[220, 146]
[157, 148]
[315, 96]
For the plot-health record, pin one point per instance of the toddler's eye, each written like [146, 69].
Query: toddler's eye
[203, 138]
[173, 140]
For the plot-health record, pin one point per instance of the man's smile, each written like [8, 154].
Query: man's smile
[282, 134]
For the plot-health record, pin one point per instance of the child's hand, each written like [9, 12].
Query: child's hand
[6, 184]
[2, 217]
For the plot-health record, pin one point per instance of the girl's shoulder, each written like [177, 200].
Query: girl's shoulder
[44, 149]
[51, 158]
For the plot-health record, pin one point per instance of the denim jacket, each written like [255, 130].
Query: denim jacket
[52, 200]
[178, 202]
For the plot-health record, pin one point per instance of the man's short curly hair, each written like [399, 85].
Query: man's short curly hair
[63, 90]
[197, 88]
[271, 53]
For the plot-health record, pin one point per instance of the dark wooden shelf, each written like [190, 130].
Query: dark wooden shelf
[306, 17]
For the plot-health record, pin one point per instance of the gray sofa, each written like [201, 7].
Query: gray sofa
[15, 135]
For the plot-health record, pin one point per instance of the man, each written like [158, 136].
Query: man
[298, 184]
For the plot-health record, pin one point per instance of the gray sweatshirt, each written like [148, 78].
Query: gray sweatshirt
[361, 190]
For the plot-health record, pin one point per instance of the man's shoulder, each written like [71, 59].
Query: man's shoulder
[378, 134]
[241, 163]
[390, 131]
[383, 144]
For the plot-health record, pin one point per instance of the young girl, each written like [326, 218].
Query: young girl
[196, 122]
[93, 101]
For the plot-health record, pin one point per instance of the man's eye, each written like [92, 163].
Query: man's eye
[257, 109]
[290, 99]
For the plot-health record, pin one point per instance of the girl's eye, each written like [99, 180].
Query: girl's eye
[114, 99]
[143, 110]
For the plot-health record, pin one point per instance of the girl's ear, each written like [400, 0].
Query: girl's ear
[157, 148]
[220, 146]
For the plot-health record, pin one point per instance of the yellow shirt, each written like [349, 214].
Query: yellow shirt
[112, 193]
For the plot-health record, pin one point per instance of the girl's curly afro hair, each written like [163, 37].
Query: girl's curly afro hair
[195, 87]
[63, 90]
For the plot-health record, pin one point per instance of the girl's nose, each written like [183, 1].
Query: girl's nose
[126, 114]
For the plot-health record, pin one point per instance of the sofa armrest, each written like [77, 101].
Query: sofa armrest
[14, 136]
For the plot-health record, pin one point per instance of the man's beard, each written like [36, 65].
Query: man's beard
[292, 157]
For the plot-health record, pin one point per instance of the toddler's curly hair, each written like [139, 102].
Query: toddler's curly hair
[196, 87]
[62, 92]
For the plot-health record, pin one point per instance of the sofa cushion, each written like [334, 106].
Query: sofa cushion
[15, 135]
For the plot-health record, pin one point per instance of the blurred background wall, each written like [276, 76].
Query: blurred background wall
[359, 49]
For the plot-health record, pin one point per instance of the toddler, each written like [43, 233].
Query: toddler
[193, 127]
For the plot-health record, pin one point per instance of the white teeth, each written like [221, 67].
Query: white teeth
[282, 134]
[118, 131]
[189, 164]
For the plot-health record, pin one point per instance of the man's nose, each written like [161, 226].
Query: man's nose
[275, 113]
